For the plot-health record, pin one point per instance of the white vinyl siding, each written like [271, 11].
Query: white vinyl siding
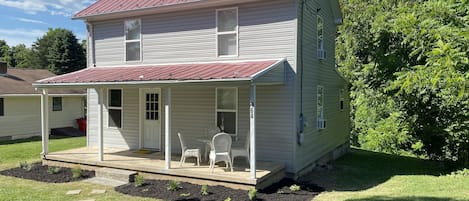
[23, 115]
[227, 32]
[133, 48]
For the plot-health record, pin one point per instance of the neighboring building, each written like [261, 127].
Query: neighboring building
[20, 104]
[261, 66]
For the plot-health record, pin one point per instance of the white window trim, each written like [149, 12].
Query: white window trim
[121, 108]
[320, 46]
[227, 32]
[61, 104]
[134, 40]
[227, 110]
[341, 99]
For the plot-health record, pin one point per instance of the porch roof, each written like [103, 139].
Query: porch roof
[263, 71]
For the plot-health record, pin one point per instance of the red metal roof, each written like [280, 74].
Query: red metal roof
[176, 72]
[115, 6]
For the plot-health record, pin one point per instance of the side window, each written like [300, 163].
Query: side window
[227, 32]
[2, 109]
[227, 109]
[56, 103]
[321, 52]
[341, 99]
[115, 108]
[132, 40]
[321, 122]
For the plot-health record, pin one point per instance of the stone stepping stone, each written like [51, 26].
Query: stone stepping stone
[96, 191]
[73, 192]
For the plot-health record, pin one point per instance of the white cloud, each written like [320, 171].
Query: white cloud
[18, 36]
[28, 20]
[62, 7]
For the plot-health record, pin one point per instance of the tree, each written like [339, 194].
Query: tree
[407, 62]
[20, 56]
[4, 50]
[59, 51]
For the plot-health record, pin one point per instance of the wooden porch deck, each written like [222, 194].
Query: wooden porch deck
[153, 164]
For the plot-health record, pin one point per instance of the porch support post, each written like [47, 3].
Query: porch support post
[45, 122]
[252, 131]
[167, 129]
[100, 123]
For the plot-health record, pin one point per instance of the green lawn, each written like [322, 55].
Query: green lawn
[12, 152]
[363, 175]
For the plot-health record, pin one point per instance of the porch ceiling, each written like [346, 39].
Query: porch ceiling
[260, 71]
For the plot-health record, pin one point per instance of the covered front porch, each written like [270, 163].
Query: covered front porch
[154, 164]
[174, 98]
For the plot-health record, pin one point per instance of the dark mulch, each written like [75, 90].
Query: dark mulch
[39, 172]
[191, 192]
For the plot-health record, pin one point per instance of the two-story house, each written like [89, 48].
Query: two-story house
[257, 69]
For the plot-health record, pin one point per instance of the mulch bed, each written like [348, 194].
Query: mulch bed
[39, 172]
[191, 192]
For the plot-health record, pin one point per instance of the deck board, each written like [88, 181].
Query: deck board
[154, 163]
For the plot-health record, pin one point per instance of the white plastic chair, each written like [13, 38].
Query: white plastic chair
[186, 152]
[241, 151]
[221, 147]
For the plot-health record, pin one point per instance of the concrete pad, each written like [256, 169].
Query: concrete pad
[73, 192]
[105, 181]
[96, 191]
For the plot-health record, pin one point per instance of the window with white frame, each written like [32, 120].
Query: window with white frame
[227, 109]
[341, 99]
[56, 103]
[115, 108]
[2, 109]
[132, 40]
[227, 32]
[320, 27]
[321, 122]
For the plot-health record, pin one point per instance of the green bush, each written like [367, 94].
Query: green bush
[139, 180]
[228, 199]
[53, 170]
[294, 188]
[25, 166]
[463, 172]
[204, 190]
[76, 172]
[173, 185]
[252, 194]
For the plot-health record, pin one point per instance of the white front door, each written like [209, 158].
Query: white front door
[150, 99]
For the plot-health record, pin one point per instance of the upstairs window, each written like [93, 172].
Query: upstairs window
[341, 99]
[321, 53]
[132, 40]
[56, 103]
[115, 108]
[2, 109]
[227, 32]
[320, 108]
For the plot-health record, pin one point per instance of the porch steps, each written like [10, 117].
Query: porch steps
[105, 181]
[116, 174]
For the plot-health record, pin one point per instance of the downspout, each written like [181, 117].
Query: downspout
[300, 134]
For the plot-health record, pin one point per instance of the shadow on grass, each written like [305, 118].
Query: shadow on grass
[361, 169]
[31, 139]
[411, 198]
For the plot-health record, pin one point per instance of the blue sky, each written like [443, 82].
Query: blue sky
[23, 21]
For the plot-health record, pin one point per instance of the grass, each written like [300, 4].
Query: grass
[363, 175]
[13, 152]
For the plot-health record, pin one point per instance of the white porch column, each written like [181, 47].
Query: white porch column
[167, 129]
[252, 131]
[100, 123]
[45, 122]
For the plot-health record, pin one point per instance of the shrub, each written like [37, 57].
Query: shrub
[173, 185]
[76, 172]
[204, 190]
[25, 166]
[139, 180]
[252, 194]
[294, 188]
[463, 172]
[53, 170]
[228, 199]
